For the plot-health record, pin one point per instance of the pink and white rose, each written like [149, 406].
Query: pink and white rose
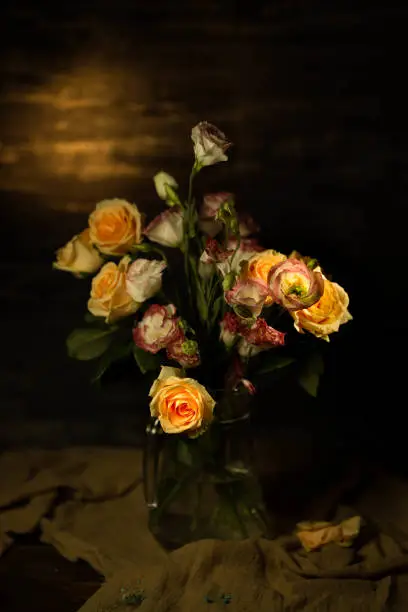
[235, 258]
[247, 298]
[144, 278]
[226, 260]
[210, 144]
[230, 327]
[212, 203]
[213, 253]
[260, 333]
[294, 285]
[158, 328]
[166, 229]
[259, 337]
[185, 352]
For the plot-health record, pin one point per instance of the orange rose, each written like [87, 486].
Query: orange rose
[259, 266]
[326, 315]
[180, 404]
[115, 226]
[109, 297]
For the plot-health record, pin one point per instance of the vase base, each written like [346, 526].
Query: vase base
[173, 530]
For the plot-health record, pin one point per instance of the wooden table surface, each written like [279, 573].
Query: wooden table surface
[34, 576]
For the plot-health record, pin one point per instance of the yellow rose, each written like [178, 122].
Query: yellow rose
[115, 226]
[78, 256]
[109, 297]
[180, 404]
[326, 315]
[259, 266]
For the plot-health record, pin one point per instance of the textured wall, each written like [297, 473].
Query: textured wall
[97, 96]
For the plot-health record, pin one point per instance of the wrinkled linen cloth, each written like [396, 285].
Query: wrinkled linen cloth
[88, 503]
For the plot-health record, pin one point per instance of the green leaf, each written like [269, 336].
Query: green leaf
[86, 344]
[146, 247]
[217, 307]
[202, 303]
[114, 353]
[145, 360]
[275, 363]
[90, 318]
[310, 374]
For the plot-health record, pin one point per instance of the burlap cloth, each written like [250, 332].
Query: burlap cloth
[101, 518]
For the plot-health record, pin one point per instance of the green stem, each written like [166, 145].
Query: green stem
[233, 502]
[178, 487]
[195, 521]
[236, 249]
[193, 172]
[187, 222]
[161, 253]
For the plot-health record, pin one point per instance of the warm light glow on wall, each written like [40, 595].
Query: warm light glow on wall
[86, 125]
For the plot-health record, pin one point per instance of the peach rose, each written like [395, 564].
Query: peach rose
[259, 266]
[180, 404]
[78, 256]
[115, 226]
[109, 296]
[326, 315]
[314, 535]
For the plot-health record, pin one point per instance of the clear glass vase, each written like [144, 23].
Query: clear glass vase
[205, 487]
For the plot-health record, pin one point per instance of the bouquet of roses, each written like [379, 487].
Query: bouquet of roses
[193, 296]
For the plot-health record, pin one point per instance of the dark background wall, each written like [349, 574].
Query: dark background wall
[97, 96]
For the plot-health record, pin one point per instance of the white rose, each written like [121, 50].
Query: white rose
[78, 256]
[162, 181]
[210, 144]
[166, 229]
[144, 278]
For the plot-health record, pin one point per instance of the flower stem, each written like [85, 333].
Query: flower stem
[236, 249]
[190, 185]
[187, 222]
